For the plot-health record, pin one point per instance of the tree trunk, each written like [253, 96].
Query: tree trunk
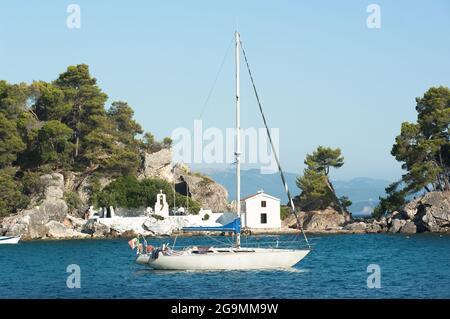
[85, 175]
[77, 142]
[445, 173]
[330, 186]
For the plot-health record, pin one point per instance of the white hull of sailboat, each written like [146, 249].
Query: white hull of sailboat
[258, 258]
[9, 239]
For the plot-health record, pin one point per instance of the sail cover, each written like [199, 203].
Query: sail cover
[234, 226]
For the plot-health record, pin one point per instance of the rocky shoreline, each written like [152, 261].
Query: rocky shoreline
[50, 218]
[429, 213]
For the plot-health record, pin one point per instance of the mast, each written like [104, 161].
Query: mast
[238, 139]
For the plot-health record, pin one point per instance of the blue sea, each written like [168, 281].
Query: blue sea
[416, 266]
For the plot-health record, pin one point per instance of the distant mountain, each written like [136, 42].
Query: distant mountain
[362, 191]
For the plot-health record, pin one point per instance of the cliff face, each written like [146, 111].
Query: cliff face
[206, 191]
[157, 165]
[203, 189]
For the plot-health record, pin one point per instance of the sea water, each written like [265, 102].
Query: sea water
[339, 266]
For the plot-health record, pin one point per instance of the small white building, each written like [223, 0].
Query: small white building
[260, 210]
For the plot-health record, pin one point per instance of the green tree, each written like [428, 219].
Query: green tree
[10, 141]
[86, 102]
[323, 158]
[28, 127]
[32, 184]
[395, 199]
[314, 183]
[99, 142]
[125, 158]
[11, 197]
[126, 127]
[122, 161]
[14, 99]
[424, 150]
[54, 143]
[150, 144]
[167, 142]
[345, 202]
[73, 201]
[49, 102]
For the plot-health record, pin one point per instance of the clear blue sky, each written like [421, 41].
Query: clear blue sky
[324, 77]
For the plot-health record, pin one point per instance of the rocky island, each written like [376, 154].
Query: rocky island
[65, 159]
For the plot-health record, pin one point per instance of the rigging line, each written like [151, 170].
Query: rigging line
[299, 226]
[215, 80]
[216, 240]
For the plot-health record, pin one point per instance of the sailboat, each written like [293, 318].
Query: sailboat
[235, 257]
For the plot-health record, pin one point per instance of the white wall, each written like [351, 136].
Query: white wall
[253, 210]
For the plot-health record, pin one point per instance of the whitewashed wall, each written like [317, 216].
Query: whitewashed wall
[252, 212]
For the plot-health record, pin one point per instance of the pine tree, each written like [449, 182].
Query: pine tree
[10, 142]
[315, 184]
[54, 144]
[86, 102]
[49, 102]
[424, 150]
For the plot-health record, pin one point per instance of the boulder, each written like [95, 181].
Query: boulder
[58, 230]
[129, 234]
[396, 225]
[326, 219]
[31, 223]
[357, 226]
[96, 229]
[409, 228]
[374, 228]
[400, 215]
[53, 185]
[157, 165]
[74, 222]
[410, 209]
[433, 211]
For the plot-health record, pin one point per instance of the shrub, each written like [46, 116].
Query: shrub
[11, 197]
[129, 192]
[73, 201]
[32, 184]
[284, 212]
